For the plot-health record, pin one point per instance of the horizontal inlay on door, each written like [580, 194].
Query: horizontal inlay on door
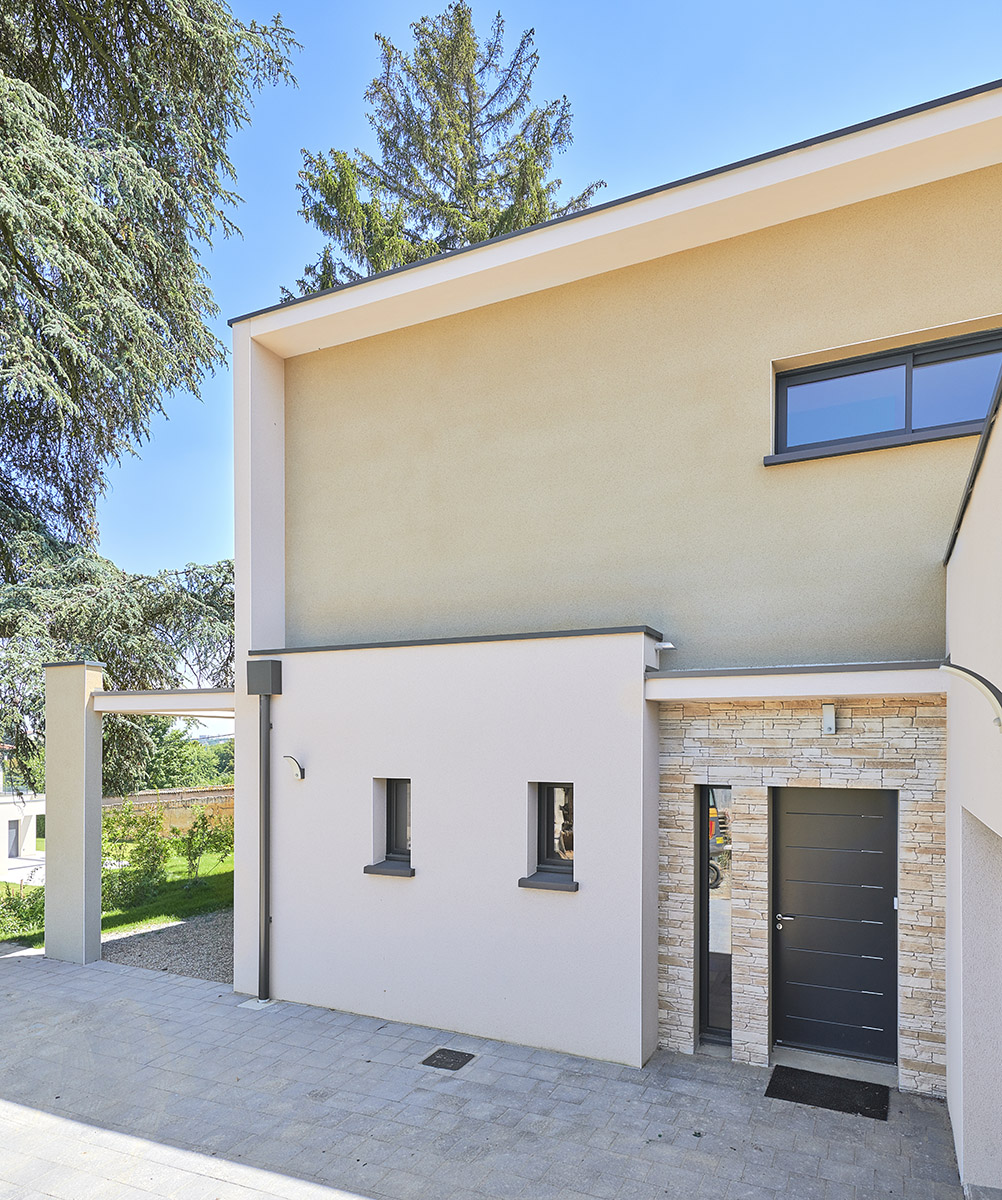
[834, 972]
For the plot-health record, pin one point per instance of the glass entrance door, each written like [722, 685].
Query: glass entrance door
[714, 884]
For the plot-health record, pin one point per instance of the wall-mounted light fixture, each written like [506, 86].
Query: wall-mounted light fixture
[295, 766]
[827, 718]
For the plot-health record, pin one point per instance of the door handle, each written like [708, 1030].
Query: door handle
[780, 917]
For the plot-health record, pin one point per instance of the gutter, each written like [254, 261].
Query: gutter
[988, 689]
[972, 477]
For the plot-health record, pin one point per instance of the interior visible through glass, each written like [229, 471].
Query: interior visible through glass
[716, 1006]
[846, 406]
[563, 822]
[960, 389]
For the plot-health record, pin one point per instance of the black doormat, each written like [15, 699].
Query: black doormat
[447, 1060]
[825, 1091]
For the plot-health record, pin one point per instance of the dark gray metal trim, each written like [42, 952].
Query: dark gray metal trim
[987, 683]
[75, 662]
[549, 881]
[845, 131]
[972, 478]
[457, 641]
[389, 867]
[861, 445]
[803, 669]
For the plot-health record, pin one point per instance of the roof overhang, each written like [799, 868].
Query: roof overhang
[948, 137]
[796, 684]
[183, 702]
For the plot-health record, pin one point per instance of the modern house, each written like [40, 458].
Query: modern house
[19, 811]
[591, 611]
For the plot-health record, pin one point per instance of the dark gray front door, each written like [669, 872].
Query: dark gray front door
[12, 839]
[834, 973]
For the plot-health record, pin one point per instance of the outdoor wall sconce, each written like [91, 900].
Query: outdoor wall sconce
[827, 718]
[295, 766]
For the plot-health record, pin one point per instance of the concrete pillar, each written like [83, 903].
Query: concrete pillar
[72, 812]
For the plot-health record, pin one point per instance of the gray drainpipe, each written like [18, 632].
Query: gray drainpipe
[264, 680]
[985, 686]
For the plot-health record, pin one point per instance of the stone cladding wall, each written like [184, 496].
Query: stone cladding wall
[897, 743]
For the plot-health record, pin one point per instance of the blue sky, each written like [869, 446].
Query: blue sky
[659, 90]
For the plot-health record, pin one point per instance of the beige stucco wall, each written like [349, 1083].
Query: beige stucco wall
[592, 455]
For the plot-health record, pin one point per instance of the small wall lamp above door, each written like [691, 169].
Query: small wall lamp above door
[827, 719]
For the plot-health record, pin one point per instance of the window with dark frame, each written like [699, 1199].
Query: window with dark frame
[398, 820]
[555, 840]
[921, 393]
[713, 877]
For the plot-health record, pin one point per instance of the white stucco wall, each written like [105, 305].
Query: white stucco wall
[460, 945]
[974, 830]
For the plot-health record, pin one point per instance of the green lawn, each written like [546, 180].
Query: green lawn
[177, 899]
[39, 843]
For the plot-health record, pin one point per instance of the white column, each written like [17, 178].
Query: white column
[72, 812]
[259, 554]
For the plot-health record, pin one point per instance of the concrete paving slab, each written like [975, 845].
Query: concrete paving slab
[128, 1084]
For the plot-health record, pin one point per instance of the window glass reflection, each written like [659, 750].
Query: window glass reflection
[846, 406]
[959, 389]
[717, 912]
[563, 822]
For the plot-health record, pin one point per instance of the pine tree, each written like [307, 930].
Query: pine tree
[464, 155]
[115, 116]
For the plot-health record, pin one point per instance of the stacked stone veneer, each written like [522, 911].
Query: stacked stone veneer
[880, 742]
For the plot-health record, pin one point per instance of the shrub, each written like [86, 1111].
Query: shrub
[209, 833]
[22, 909]
[134, 855]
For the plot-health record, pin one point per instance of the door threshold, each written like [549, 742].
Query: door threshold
[834, 1064]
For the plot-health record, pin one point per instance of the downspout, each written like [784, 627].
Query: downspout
[264, 680]
[988, 689]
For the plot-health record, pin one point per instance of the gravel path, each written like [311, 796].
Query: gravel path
[201, 947]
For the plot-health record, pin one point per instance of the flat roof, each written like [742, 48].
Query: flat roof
[951, 164]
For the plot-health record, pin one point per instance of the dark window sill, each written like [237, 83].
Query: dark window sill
[551, 881]
[402, 869]
[859, 445]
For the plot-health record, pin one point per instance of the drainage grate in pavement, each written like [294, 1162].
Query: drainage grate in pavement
[825, 1091]
[447, 1060]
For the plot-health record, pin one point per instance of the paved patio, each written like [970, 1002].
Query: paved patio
[121, 1083]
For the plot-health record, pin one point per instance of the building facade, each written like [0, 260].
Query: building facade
[604, 568]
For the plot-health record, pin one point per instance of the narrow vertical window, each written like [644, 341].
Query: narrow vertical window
[398, 820]
[551, 807]
[715, 913]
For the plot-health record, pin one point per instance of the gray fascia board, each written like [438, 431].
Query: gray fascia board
[458, 641]
[76, 662]
[802, 669]
[845, 131]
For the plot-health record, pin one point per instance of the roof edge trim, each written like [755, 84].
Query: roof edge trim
[833, 135]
